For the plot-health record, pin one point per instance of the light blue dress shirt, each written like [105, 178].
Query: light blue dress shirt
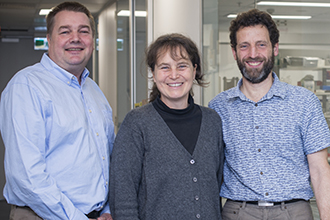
[58, 139]
[267, 143]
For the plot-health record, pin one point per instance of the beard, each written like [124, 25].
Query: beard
[255, 75]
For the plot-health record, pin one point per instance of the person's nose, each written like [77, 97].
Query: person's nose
[253, 52]
[174, 74]
[75, 37]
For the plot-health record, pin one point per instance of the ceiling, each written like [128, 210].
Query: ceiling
[20, 17]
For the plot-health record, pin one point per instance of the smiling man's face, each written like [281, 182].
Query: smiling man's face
[254, 53]
[71, 41]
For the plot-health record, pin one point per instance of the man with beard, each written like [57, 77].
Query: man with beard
[275, 134]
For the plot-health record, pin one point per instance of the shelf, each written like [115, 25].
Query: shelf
[322, 93]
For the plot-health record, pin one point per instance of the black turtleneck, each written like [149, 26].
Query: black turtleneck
[184, 123]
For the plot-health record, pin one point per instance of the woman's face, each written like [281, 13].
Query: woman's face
[174, 78]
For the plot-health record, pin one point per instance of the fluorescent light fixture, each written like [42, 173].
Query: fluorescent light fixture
[44, 11]
[123, 13]
[232, 16]
[126, 13]
[40, 28]
[9, 40]
[291, 17]
[279, 17]
[299, 4]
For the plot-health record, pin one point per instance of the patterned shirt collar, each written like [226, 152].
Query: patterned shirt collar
[278, 89]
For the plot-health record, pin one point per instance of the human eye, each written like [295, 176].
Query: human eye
[182, 66]
[84, 31]
[243, 46]
[262, 44]
[164, 67]
[64, 31]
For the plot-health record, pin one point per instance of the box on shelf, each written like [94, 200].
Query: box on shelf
[301, 61]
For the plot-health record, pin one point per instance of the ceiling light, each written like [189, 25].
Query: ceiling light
[10, 40]
[279, 17]
[291, 17]
[299, 4]
[127, 13]
[44, 11]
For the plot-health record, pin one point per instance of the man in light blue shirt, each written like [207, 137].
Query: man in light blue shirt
[275, 134]
[57, 128]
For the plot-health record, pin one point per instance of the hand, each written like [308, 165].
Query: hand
[105, 216]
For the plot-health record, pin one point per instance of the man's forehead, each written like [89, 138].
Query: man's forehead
[71, 17]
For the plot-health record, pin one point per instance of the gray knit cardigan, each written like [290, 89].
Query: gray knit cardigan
[153, 177]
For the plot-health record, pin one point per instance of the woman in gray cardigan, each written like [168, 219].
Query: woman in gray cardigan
[167, 158]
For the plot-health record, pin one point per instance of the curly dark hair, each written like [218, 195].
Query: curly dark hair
[68, 6]
[171, 42]
[250, 18]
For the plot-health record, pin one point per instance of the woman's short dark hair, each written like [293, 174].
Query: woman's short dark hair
[250, 18]
[68, 6]
[171, 42]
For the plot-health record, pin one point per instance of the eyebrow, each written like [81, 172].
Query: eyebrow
[259, 41]
[69, 27]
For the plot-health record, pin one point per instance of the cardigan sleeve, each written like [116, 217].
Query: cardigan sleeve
[221, 153]
[126, 171]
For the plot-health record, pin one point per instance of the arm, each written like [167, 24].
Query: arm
[125, 172]
[24, 131]
[320, 176]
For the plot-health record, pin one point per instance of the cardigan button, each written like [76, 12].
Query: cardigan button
[198, 216]
[192, 161]
[195, 179]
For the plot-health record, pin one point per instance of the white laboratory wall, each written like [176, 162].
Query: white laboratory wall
[107, 54]
[184, 17]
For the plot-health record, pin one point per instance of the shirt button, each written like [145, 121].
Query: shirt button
[68, 82]
[195, 179]
[192, 161]
[97, 134]
[198, 216]
[261, 173]
[257, 127]
[90, 111]
[256, 105]
[266, 194]
[196, 198]
[106, 182]
[259, 150]
[103, 158]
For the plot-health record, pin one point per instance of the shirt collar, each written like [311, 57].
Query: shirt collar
[277, 89]
[61, 73]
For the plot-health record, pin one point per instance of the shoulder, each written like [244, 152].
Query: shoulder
[140, 114]
[208, 111]
[28, 76]
[300, 94]
[26, 73]
[222, 97]
[210, 114]
[140, 119]
[142, 111]
[297, 90]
